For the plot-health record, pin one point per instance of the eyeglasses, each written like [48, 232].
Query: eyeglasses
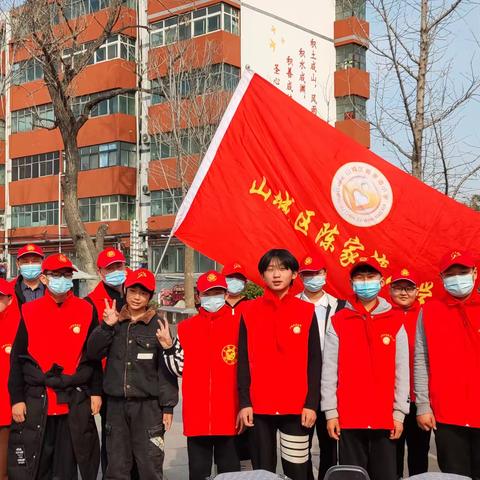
[398, 289]
[59, 274]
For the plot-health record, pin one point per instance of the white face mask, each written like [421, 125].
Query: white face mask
[212, 303]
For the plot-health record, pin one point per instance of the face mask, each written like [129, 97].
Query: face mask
[59, 285]
[314, 283]
[459, 285]
[30, 271]
[366, 290]
[212, 304]
[235, 285]
[116, 278]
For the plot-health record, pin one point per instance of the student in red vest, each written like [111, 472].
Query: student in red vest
[403, 294]
[51, 381]
[205, 353]
[111, 267]
[313, 273]
[365, 376]
[27, 285]
[279, 365]
[9, 320]
[236, 278]
[447, 367]
[141, 392]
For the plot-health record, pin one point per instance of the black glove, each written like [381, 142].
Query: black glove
[55, 379]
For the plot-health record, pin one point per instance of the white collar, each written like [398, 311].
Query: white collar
[321, 302]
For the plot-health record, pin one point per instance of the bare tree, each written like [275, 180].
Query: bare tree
[51, 33]
[420, 90]
[193, 89]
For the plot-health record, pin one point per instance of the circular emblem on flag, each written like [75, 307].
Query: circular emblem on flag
[229, 354]
[7, 348]
[211, 277]
[361, 194]
[110, 254]
[308, 261]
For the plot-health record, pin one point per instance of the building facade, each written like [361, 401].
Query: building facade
[140, 150]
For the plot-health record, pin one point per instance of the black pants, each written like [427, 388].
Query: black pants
[57, 459]
[134, 430]
[458, 450]
[371, 449]
[328, 448]
[418, 443]
[201, 451]
[294, 445]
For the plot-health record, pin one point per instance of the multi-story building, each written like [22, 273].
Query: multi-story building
[129, 171]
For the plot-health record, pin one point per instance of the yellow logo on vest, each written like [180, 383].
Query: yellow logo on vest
[387, 339]
[75, 328]
[296, 328]
[7, 348]
[229, 354]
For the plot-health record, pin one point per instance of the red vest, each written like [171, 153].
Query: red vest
[452, 330]
[277, 336]
[98, 296]
[410, 317]
[366, 366]
[209, 385]
[9, 320]
[56, 334]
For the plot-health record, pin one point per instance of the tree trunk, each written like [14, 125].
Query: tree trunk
[82, 242]
[419, 123]
[189, 285]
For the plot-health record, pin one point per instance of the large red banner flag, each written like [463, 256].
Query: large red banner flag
[277, 176]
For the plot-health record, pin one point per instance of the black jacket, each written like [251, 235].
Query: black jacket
[135, 366]
[26, 439]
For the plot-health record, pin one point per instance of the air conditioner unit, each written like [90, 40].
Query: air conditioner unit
[349, 115]
[146, 138]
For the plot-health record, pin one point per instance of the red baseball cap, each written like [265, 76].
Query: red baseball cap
[30, 249]
[57, 261]
[361, 261]
[142, 277]
[6, 288]
[211, 279]
[108, 256]
[234, 268]
[312, 263]
[456, 257]
[404, 274]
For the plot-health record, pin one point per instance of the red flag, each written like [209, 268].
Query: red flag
[277, 176]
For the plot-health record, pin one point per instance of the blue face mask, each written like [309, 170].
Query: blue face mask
[31, 271]
[235, 285]
[59, 285]
[459, 285]
[366, 290]
[314, 283]
[212, 304]
[115, 278]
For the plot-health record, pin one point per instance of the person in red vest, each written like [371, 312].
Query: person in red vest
[141, 392]
[279, 365]
[236, 278]
[447, 367]
[205, 354]
[51, 381]
[365, 376]
[27, 285]
[313, 273]
[403, 294]
[9, 320]
[111, 267]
